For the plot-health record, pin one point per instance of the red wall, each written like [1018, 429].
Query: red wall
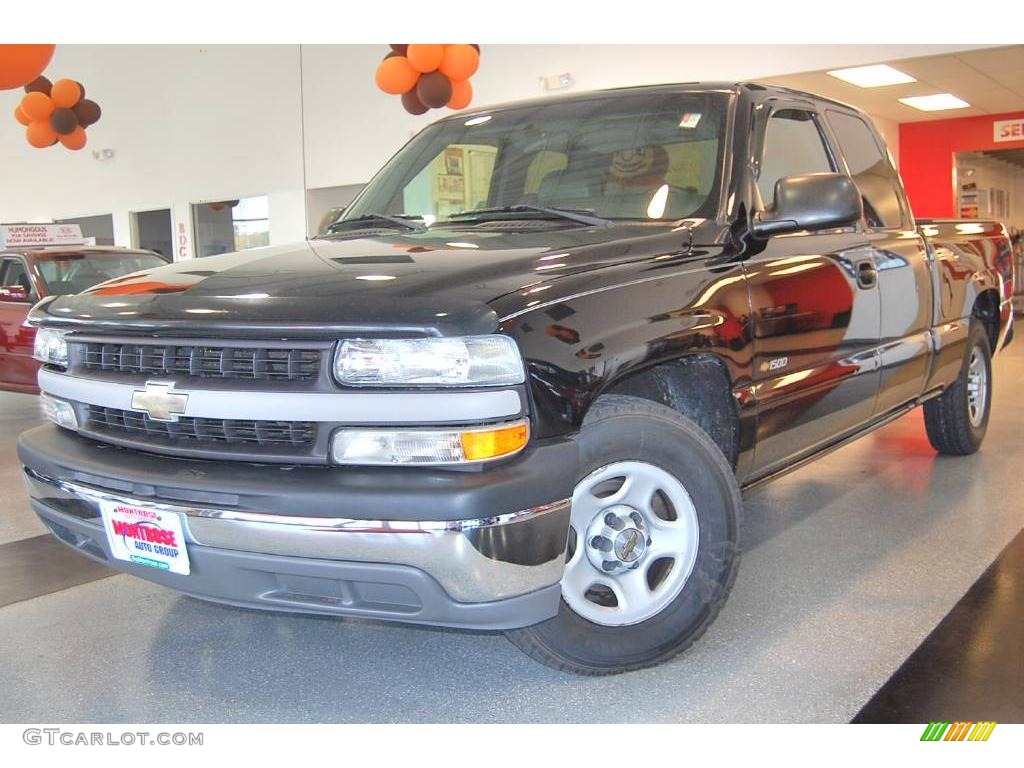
[926, 158]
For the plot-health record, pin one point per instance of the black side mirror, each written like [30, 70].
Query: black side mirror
[810, 202]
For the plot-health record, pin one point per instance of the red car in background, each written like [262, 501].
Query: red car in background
[30, 274]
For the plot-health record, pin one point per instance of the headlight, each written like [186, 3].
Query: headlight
[427, 446]
[51, 347]
[448, 362]
[60, 412]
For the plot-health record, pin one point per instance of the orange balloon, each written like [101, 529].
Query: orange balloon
[37, 106]
[65, 93]
[459, 62]
[21, 117]
[21, 64]
[395, 75]
[40, 134]
[425, 58]
[75, 139]
[462, 94]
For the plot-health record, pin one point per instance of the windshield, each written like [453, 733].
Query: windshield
[66, 273]
[651, 156]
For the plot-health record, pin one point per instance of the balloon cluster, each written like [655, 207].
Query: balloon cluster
[55, 112]
[429, 76]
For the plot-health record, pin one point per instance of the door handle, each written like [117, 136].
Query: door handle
[867, 275]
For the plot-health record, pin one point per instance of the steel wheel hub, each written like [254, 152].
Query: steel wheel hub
[617, 540]
[977, 388]
[636, 536]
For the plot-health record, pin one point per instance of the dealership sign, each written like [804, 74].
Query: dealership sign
[29, 235]
[1008, 130]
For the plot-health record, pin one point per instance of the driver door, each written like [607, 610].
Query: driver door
[17, 366]
[815, 305]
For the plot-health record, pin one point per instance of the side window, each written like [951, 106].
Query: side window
[871, 170]
[793, 145]
[14, 273]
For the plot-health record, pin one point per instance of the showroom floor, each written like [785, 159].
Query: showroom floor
[849, 566]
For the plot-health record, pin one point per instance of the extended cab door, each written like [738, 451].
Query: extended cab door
[900, 259]
[815, 305]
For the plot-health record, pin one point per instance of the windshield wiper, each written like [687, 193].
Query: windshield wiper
[378, 219]
[581, 216]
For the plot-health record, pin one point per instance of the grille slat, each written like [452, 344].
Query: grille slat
[294, 434]
[254, 363]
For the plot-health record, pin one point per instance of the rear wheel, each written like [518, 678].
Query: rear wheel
[652, 546]
[956, 421]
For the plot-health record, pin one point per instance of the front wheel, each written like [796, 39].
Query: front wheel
[957, 420]
[652, 547]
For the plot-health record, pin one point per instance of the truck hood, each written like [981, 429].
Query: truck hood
[439, 282]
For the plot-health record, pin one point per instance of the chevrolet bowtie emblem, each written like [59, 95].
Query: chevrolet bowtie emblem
[158, 401]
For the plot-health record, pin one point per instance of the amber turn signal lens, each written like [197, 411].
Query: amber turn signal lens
[490, 444]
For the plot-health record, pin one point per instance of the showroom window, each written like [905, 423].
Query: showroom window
[100, 227]
[793, 145]
[223, 226]
[870, 169]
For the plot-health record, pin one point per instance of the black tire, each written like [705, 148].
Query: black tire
[624, 428]
[947, 418]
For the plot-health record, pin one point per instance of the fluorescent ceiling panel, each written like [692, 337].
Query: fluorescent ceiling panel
[935, 102]
[872, 76]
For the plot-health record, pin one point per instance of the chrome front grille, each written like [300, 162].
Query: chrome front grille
[189, 430]
[202, 361]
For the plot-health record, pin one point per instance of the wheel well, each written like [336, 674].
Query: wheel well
[986, 309]
[699, 388]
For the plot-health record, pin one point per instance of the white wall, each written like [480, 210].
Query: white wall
[186, 124]
[189, 124]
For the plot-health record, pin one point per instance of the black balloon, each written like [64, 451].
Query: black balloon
[412, 103]
[82, 89]
[40, 84]
[434, 89]
[87, 112]
[476, 46]
[399, 49]
[64, 121]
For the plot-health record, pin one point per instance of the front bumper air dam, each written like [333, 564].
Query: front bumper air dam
[491, 571]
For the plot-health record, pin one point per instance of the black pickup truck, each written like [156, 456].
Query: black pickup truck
[520, 384]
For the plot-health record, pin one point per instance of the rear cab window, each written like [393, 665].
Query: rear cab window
[871, 169]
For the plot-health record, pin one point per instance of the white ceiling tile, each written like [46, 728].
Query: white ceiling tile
[933, 66]
[992, 61]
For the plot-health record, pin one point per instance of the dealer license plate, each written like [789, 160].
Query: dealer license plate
[145, 536]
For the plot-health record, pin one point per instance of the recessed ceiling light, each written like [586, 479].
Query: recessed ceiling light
[935, 102]
[872, 76]
[477, 120]
[375, 278]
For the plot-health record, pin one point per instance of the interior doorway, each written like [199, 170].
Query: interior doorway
[990, 185]
[152, 230]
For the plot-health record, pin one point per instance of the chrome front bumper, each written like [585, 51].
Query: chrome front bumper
[491, 560]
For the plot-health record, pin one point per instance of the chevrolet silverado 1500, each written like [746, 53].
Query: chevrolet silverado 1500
[521, 382]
